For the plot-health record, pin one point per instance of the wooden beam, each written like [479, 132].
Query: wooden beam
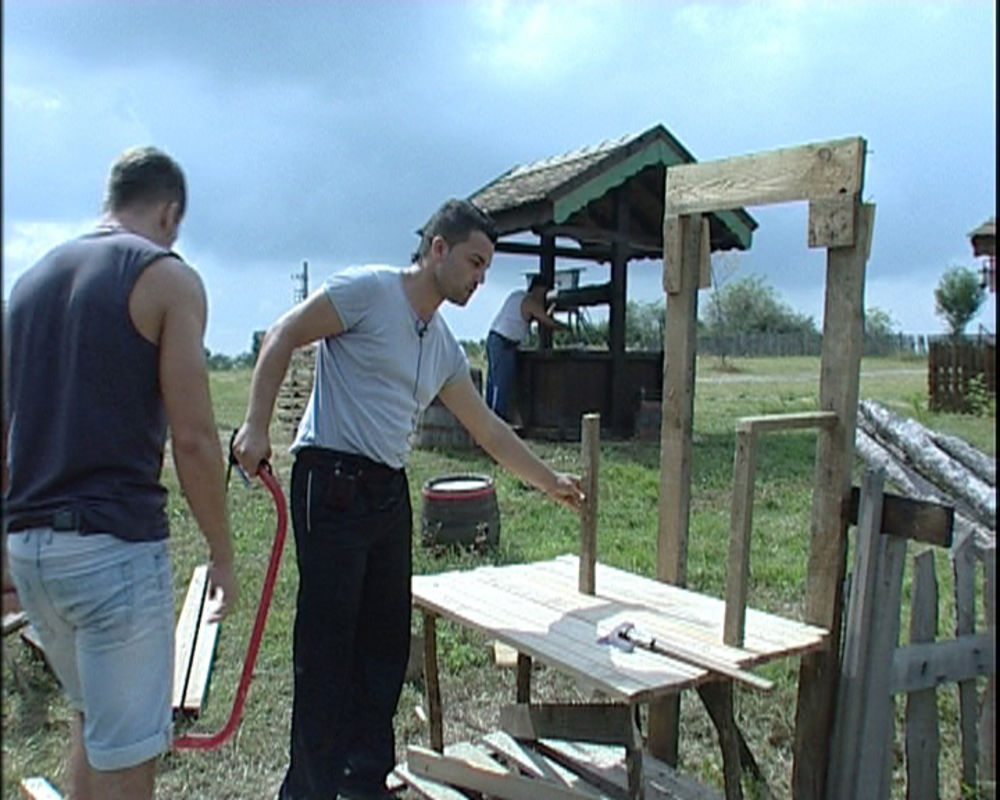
[919, 520]
[590, 441]
[840, 367]
[833, 221]
[598, 254]
[673, 235]
[768, 423]
[810, 172]
[679, 340]
[918, 667]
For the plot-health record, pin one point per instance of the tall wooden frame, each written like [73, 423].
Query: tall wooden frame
[829, 176]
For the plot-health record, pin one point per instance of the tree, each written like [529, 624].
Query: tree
[752, 306]
[879, 324]
[958, 297]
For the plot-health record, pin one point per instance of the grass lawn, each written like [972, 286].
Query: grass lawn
[252, 764]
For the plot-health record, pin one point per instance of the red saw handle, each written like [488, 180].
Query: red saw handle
[202, 741]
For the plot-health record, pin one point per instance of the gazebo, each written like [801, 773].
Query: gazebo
[602, 204]
[984, 245]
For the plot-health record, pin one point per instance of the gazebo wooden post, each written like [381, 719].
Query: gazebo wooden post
[616, 319]
[547, 269]
[682, 244]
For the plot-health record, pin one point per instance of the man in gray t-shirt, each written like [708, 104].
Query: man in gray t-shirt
[384, 354]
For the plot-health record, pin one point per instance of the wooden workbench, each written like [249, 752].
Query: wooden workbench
[537, 609]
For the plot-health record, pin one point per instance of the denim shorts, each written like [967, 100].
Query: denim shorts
[103, 609]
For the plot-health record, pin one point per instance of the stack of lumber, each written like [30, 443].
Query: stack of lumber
[498, 765]
[296, 388]
[931, 466]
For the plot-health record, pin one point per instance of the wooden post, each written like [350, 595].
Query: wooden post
[740, 523]
[547, 269]
[923, 745]
[590, 439]
[523, 678]
[718, 699]
[616, 318]
[432, 688]
[682, 256]
[840, 367]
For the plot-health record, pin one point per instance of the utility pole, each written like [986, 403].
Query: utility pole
[301, 279]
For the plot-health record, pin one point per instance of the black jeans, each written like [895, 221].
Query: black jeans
[353, 526]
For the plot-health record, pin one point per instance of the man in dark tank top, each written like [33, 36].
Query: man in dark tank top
[104, 351]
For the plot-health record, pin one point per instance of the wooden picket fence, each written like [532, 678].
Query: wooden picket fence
[875, 668]
[961, 373]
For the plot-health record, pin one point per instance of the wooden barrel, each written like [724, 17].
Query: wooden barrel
[460, 509]
[438, 427]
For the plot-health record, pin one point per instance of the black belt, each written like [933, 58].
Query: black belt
[352, 463]
[58, 521]
[504, 339]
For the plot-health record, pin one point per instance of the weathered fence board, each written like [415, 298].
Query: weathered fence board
[957, 370]
[862, 746]
[923, 741]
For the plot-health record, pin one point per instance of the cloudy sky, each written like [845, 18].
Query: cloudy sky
[328, 131]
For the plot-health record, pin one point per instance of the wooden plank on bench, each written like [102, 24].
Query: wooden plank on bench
[38, 789]
[194, 646]
[200, 670]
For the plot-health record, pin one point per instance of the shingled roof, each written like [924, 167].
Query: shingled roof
[573, 194]
[984, 238]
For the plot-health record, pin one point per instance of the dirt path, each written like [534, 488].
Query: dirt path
[803, 377]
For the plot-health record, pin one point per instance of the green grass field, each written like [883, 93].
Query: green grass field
[252, 764]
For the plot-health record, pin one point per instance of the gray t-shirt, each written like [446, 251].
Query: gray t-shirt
[373, 380]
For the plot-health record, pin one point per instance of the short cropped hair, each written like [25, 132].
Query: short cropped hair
[454, 221]
[144, 175]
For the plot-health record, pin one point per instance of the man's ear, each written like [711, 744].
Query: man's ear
[439, 247]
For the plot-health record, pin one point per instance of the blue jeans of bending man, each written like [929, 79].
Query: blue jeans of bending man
[353, 527]
[501, 357]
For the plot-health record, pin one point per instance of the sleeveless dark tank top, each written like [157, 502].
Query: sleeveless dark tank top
[86, 420]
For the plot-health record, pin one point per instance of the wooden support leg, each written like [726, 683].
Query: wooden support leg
[664, 718]
[432, 688]
[718, 699]
[523, 678]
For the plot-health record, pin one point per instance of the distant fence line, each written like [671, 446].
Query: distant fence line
[807, 344]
